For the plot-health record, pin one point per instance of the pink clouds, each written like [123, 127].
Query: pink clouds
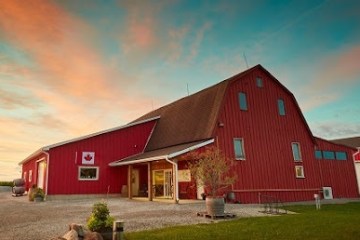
[331, 77]
[344, 66]
[67, 90]
[147, 34]
[65, 68]
[142, 26]
[57, 44]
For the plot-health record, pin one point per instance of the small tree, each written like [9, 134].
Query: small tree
[100, 219]
[211, 169]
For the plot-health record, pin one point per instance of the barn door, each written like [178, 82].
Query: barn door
[41, 168]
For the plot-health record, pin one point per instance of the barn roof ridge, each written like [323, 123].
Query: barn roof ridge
[191, 118]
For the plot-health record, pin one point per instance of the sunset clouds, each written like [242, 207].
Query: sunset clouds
[69, 68]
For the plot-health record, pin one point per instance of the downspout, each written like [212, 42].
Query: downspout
[47, 170]
[176, 193]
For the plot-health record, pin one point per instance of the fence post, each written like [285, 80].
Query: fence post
[118, 230]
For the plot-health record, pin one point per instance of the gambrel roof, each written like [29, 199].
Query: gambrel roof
[193, 118]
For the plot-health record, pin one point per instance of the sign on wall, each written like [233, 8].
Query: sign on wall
[88, 158]
[184, 175]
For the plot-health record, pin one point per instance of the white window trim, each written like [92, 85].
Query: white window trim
[296, 160]
[242, 147]
[88, 179]
[302, 171]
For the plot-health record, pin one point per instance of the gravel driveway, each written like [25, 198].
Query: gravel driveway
[21, 219]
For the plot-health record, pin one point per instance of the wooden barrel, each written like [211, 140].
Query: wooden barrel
[19, 182]
[18, 190]
[215, 207]
[124, 191]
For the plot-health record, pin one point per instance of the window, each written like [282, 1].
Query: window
[239, 149]
[24, 177]
[318, 154]
[329, 155]
[341, 155]
[242, 101]
[296, 151]
[299, 172]
[281, 106]
[30, 175]
[259, 82]
[88, 173]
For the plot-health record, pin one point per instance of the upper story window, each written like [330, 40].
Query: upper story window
[242, 101]
[329, 155]
[318, 154]
[296, 151]
[239, 148]
[259, 82]
[340, 155]
[281, 107]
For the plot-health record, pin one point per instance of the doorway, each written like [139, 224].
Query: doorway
[41, 168]
[162, 183]
[135, 182]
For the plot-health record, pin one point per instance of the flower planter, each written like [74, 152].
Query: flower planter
[215, 206]
[107, 235]
[38, 199]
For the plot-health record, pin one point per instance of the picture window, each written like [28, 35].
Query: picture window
[88, 173]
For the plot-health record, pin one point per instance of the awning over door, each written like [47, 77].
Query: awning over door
[164, 153]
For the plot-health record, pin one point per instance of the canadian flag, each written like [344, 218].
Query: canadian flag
[88, 158]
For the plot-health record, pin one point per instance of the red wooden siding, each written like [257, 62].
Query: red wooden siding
[357, 156]
[66, 159]
[269, 167]
[32, 165]
[338, 174]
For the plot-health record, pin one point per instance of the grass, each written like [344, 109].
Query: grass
[6, 183]
[340, 221]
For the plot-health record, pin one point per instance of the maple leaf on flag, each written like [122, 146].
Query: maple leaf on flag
[88, 157]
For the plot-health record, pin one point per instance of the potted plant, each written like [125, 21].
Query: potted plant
[38, 194]
[100, 220]
[211, 168]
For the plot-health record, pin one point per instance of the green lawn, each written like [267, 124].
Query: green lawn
[340, 221]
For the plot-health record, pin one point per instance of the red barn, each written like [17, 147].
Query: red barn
[355, 143]
[251, 117]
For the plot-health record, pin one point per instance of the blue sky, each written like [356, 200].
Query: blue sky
[70, 68]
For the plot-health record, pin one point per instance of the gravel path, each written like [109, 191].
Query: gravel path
[24, 220]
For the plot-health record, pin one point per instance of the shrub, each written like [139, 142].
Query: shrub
[39, 192]
[100, 219]
[6, 183]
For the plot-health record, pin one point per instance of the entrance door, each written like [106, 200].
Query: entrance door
[168, 183]
[162, 183]
[135, 182]
[41, 174]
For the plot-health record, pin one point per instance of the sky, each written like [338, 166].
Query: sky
[72, 68]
